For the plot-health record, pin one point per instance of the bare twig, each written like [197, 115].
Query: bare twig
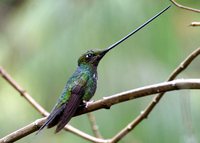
[23, 131]
[144, 91]
[22, 92]
[88, 137]
[195, 24]
[39, 108]
[184, 7]
[107, 102]
[94, 125]
[156, 99]
[32, 127]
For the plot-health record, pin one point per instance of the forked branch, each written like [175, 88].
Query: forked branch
[39, 108]
[156, 99]
[125, 96]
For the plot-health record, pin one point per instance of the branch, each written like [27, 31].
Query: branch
[185, 7]
[23, 131]
[179, 84]
[31, 128]
[39, 108]
[107, 102]
[94, 125]
[22, 92]
[144, 114]
[195, 24]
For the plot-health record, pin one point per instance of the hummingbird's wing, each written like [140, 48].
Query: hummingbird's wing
[71, 107]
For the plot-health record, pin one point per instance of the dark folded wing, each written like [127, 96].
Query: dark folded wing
[69, 111]
[77, 92]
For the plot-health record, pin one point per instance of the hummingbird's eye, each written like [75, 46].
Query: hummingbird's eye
[88, 56]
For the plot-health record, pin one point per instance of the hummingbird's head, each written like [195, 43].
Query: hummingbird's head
[92, 57]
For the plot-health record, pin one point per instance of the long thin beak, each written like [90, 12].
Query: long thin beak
[105, 51]
[102, 53]
[134, 31]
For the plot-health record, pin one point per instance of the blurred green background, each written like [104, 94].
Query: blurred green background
[40, 42]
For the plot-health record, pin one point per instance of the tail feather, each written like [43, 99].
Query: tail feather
[52, 119]
[43, 126]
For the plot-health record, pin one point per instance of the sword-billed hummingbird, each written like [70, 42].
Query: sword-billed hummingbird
[81, 86]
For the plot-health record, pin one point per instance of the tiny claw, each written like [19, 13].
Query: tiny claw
[84, 104]
[89, 102]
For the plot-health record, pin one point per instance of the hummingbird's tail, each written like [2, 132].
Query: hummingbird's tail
[43, 126]
[52, 119]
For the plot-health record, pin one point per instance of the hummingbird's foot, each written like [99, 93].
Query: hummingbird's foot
[88, 102]
[84, 104]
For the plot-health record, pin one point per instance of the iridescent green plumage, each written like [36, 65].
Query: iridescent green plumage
[81, 86]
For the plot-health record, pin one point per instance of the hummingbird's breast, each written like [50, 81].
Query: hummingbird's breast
[84, 77]
[91, 86]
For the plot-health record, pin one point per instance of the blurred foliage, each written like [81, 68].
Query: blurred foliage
[40, 42]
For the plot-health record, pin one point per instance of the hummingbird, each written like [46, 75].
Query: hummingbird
[82, 85]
